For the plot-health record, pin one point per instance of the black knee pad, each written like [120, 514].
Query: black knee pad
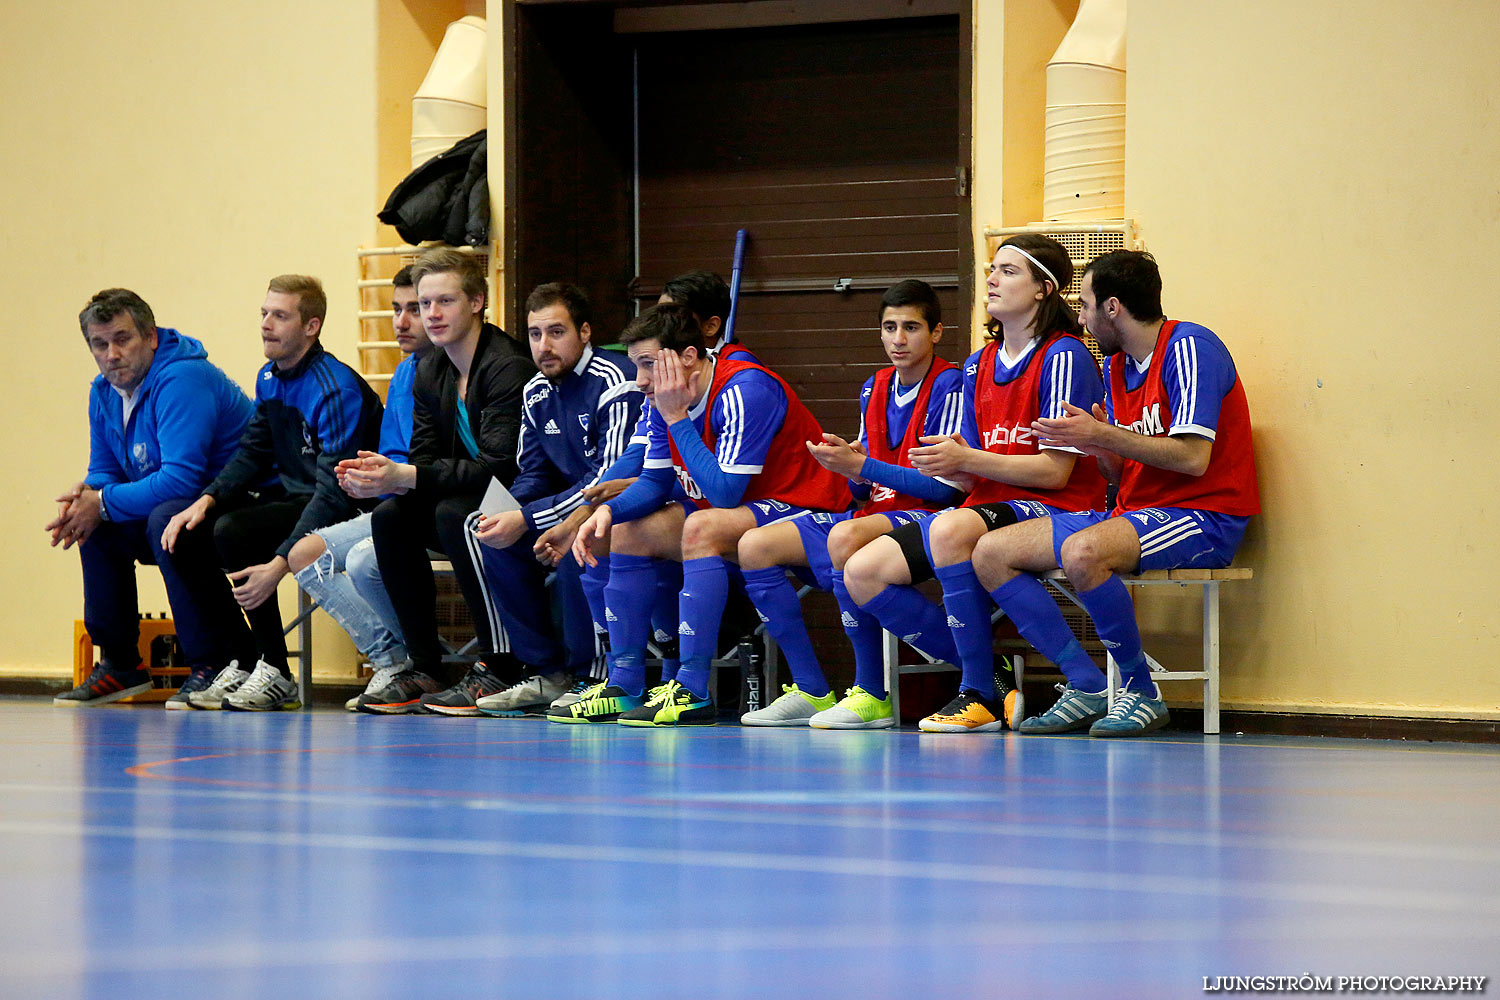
[909, 538]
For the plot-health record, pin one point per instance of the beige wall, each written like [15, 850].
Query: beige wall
[1314, 187]
[189, 151]
[1320, 189]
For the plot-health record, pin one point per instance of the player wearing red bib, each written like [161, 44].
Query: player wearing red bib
[1174, 433]
[733, 435]
[919, 395]
[1035, 366]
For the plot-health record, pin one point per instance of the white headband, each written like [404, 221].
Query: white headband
[1045, 270]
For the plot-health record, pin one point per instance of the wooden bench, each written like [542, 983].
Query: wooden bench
[1208, 580]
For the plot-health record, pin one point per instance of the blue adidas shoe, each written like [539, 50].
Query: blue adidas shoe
[1134, 713]
[1074, 711]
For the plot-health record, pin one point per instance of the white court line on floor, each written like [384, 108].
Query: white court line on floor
[1429, 850]
[1020, 937]
[863, 868]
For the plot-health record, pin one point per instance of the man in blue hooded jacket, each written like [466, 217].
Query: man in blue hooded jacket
[162, 423]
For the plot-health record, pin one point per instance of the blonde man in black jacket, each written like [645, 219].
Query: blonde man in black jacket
[466, 422]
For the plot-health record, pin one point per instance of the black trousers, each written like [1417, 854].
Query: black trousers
[404, 528]
[209, 624]
[247, 534]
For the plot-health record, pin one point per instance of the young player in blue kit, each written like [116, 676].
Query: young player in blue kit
[579, 412]
[1034, 366]
[707, 296]
[734, 436]
[919, 395]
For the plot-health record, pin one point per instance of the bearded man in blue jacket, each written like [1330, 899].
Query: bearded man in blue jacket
[163, 421]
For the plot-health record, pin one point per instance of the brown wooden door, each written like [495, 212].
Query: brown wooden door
[838, 148]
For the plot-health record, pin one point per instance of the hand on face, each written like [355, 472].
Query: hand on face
[675, 386]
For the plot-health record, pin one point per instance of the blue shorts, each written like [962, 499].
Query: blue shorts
[774, 511]
[1171, 537]
[817, 526]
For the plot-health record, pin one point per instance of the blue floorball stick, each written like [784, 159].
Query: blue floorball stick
[734, 283]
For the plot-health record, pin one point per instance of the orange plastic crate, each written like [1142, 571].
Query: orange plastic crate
[165, 679]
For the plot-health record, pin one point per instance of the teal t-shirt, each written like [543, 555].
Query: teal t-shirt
[465, 432]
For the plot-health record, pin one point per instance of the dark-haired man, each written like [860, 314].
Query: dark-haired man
[580, 412]
[163, 421]
[919, 395]
[311, 412]
[1174, 434]
[734, 436]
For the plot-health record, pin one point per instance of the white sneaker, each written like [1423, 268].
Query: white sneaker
[378, 681]
[267, 690]
[534, 694]
[229, 680]
[793, 708]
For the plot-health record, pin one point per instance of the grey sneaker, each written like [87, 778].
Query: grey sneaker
[1135, 712]
[198, 680]
[378, 682]
[793, 708]
[267, 690]
[1075, 710]
[533, 695]
[229, 680]
[574, 694]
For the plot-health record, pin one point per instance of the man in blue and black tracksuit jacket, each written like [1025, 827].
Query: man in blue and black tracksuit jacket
[311, 411]
[162, 423]
[579, 413]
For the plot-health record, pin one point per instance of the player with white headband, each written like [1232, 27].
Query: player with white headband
[1033, 366]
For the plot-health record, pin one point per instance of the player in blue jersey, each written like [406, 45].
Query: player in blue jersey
[311, 412]
[1033, 364]
[919, 395]
[579, 413]
[733, 436]
[706, 294]
[336, 565]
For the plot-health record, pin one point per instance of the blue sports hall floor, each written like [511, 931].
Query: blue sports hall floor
[322, 854]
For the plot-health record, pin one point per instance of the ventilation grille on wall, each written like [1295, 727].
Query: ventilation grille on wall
[1083, 240]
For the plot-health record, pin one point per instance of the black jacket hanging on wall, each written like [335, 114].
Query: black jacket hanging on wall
[446, 198]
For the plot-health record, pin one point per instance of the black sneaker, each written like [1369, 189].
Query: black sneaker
[967, 713]
[402, 696]
[600, 703]
[461, 698]
[198, 680]
[1008, 693]
[106, 684]
[672, 705]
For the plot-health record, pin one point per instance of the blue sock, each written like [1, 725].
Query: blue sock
[627, 596]
[705, 589]
[777, 603]
[593, 580]
[1028, 603]
[1113, 612]
[969, 608]
[664, 616]
[863, 631]
[904, 612]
